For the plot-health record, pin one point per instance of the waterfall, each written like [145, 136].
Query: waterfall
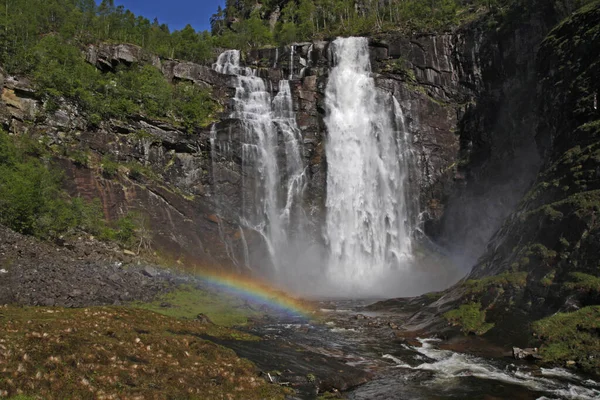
[285, 120]
[368, 226]
[277, 182]
[292, 54]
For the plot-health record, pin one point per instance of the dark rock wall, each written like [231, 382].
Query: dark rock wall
[544, 257]
[554, 232]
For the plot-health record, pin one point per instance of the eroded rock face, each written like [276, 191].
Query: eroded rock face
[553, 235]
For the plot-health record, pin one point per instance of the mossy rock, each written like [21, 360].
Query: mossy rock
[505, 280]
[568, 337]
[470, 318]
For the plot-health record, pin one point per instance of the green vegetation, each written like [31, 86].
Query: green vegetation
[548, 279]
[242, 23]
[571, 337]
[60, 72]
[329, 396]
[44, 40]
[504, 280]
[33, 203]
[57, 353]
[82, 22]
[584, 282]
[187, 302]
[470, 318]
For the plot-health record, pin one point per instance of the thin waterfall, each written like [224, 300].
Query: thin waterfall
[285, 119]
[276, 190]
[368, 227]
[292, 54]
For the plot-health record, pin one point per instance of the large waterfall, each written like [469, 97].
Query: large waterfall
[368, 224]
[272, 163]
[368, 227]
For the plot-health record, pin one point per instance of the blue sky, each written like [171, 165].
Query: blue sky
[175, 13]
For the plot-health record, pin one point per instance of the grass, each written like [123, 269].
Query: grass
[125, 353]
[187, 302]
[470, 318]
[571, 337]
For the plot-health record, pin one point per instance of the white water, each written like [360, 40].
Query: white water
[368, 224]
[273, 207]
[449, 366]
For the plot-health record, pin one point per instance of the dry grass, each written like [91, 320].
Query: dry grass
[120, 353]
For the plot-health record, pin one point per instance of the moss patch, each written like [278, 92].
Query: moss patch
[110, 352]
[187, 302]
[505, 280]
[470, 317]
[584, 282]
[572, 337]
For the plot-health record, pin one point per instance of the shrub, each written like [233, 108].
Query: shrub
[193, 105]
[33, 203]
[110, 168]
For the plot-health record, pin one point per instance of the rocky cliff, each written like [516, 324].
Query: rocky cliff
[544, 257]
[488, 106]
[182, 182]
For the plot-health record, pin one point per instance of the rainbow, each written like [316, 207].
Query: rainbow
[259, 293]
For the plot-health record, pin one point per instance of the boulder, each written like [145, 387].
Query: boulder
[108, 57]
[149, 271]
[526, 354]
[203, 319]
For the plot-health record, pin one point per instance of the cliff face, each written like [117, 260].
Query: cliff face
[478, 131]
[543, 258]
[158, 169]
[437, 79]
[552, 238]
[182, 182]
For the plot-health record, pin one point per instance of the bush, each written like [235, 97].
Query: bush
[30, 199]
[61, 73]
[193, 105]
[33, 203]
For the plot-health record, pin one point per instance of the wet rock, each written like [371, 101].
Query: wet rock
[526, 354]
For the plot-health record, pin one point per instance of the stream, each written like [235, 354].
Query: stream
[360, 353]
